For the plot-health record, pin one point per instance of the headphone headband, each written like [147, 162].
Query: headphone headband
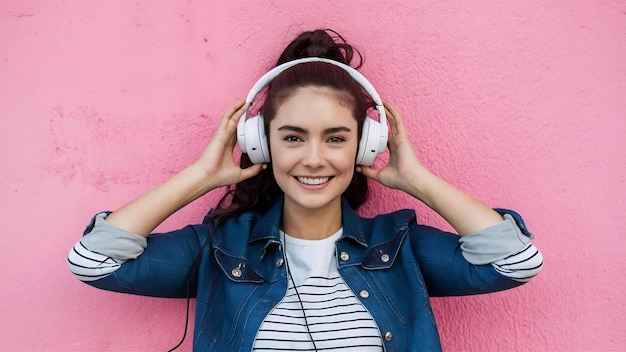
[271, 74]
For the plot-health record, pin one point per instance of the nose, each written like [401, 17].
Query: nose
[314, 155]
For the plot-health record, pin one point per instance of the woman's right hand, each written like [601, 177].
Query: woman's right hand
[217, 160]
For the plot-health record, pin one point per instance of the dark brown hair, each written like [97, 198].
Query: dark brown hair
[261, 192]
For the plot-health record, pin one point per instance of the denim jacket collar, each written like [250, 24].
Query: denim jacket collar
[268, 228]
[375, 248]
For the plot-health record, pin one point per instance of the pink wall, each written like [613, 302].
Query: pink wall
[520, 103]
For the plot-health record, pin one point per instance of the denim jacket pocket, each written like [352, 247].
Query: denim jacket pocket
[237, 269]
[382, 256]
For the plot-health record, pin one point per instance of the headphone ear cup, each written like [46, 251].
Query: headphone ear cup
[252, 140]
[264, 147]
[368, 144]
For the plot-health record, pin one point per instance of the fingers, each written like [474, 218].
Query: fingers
[396, 123]
[394, 118]
[252, 171]
[368, 172]
[228, 125]
[232, 115]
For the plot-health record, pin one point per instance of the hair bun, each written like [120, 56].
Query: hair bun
[320, 43]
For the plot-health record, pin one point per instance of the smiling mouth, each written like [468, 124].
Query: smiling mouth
[313, 180]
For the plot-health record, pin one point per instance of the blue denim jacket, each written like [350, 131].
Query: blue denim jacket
[391, 263]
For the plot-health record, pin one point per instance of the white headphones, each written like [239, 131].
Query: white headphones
[251, 132]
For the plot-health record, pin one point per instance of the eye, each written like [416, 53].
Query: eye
[292, 139]
[336, 139]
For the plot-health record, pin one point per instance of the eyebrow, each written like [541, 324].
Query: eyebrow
[297, 129]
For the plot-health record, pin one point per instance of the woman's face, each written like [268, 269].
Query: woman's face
[313, 143]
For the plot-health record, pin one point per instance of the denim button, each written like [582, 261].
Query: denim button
[384, 258]
[344, 256]
[388, 336]
[279, 263]
[364, 294]
[236, 272]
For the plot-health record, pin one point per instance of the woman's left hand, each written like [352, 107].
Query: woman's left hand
[404, 167]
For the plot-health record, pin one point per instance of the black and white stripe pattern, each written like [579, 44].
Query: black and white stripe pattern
[521, 266]
[336, 318]
[88, 265]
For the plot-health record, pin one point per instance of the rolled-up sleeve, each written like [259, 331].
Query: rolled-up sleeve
[103, 249]
[161, 265]
[506, 246]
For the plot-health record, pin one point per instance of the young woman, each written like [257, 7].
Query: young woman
[284, 262]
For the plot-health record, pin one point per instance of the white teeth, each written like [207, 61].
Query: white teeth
[313, 181]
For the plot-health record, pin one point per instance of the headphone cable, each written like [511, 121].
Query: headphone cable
[193, 264]
[186, 318]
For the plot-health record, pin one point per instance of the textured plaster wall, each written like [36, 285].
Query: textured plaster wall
[520, 103]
